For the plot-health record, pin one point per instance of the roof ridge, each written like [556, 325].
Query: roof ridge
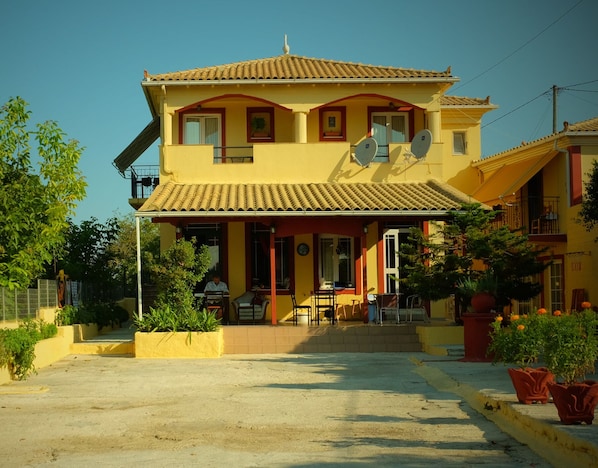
[329, 68]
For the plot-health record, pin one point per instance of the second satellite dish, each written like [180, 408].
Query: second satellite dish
[421, 143]
[365, 151]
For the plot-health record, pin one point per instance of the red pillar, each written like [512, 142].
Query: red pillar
[273, 276]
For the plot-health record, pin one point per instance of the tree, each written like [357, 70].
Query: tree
[123, 250]
[34, 206]
[469, 245]
[176, 272]
[588, 215]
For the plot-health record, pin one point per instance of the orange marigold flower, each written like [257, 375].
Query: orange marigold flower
[557, 313]
[586, 305]
[514, 317]
[520, 327]
[541, 311]
[499, 318]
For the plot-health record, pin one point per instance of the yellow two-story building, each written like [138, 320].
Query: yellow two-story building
[300, 173]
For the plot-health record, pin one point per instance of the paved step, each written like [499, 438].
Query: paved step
[260, 339]
[323, 339]
[104, 347]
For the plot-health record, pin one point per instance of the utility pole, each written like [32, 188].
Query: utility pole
[554, 95]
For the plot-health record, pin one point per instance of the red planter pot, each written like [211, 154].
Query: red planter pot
[575, 403]
[476, 336]
[483, 303]
[531, 384]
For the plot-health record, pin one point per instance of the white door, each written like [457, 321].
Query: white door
[391, 261]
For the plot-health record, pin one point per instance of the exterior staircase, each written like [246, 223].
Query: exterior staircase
[116, 342]
[353, 337]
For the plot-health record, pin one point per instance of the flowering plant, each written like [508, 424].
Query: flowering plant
[571, 344]
[519, 339]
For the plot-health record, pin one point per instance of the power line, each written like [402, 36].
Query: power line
[518, 107]
[580, 84]
[520, 47]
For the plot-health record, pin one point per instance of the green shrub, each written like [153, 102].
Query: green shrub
[66, 316]
[17, 346]
[177, 271]
[103, 314]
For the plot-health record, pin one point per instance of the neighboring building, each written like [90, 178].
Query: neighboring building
[539, 185]
[256, 159]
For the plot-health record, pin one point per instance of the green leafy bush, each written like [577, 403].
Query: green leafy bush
[66, 316]
[17, 346]
[177, 271]
[520, 339]
[103, 314]
[571, 345]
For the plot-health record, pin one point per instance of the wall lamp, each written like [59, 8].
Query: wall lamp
[272, 229]
[365, 228]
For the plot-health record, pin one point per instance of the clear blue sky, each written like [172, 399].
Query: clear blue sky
[81, 63]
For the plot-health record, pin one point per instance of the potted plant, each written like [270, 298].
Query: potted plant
[570, 353]
[479, 291]
[519, 340]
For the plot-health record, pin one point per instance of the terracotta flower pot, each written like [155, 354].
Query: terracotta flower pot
[575, 403]
[531, 384]
[483, 303]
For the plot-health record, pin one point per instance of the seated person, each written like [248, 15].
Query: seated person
[216, 285]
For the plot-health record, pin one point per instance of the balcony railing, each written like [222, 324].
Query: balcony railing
[144, 179]
[535, 215]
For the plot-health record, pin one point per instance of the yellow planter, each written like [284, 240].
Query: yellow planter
[179, 344]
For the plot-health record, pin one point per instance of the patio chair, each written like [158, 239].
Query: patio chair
[300, 310]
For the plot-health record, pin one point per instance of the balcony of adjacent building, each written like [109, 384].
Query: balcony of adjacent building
[536, 216]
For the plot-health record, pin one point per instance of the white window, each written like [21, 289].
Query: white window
[203, 130]
[459, 143]
[389, 127]
[337, 263]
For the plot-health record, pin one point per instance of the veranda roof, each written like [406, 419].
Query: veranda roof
[429, 198]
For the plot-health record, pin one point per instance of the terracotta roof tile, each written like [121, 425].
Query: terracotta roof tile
[590, 125]
[367, 198]
[294, 67]
[464, 101]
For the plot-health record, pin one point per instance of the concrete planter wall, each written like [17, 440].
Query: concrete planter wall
[179, 344]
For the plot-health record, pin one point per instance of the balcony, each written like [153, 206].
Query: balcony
[536, 216]
[279, 163]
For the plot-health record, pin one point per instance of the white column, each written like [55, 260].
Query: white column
[139, 295]
[300, 127]
[434, 125]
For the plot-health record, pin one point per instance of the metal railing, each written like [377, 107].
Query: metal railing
[145, 178]
[21, 304]
[535, 215]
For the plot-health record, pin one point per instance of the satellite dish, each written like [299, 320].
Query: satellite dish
[421, 143]
[365, 152]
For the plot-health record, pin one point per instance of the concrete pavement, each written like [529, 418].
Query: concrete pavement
[343, 409]
[487, 388]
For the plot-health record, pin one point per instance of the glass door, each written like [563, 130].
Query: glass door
[204, 130]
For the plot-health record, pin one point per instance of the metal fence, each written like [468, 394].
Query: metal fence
[21, 304]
